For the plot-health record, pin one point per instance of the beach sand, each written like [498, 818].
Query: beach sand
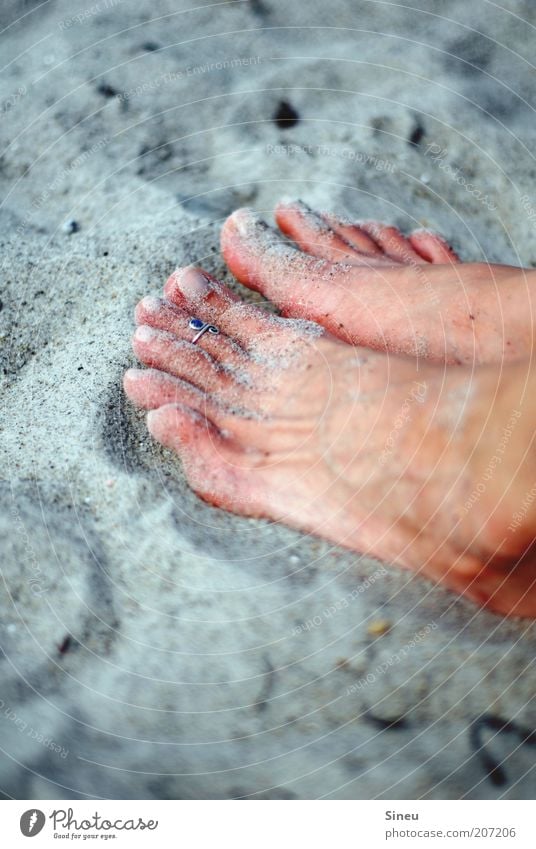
[153, 646]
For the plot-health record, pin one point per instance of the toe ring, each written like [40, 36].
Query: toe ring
[201, 327]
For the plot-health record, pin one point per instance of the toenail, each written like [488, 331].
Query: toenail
[293, 203]
[144, 333]
[193, 283]
[151, 304]
[286, 200]
[244, 221]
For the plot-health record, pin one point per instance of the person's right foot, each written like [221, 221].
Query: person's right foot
[369, 285]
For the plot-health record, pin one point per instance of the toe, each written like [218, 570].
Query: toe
[299, 284]
[161, 350]
[392, 242]
[354, 234]
[201, 295]
[313, 234]
[216, 466]
[190, 287]
[151, 389]
[432, 247]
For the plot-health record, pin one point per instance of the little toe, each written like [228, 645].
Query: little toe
[313, 234]
[392, 242]
[217, 467]
[432, 247]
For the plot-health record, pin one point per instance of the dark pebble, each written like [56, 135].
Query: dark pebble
[107, 90]
[285, 116]
[417, 135]
[259, 7]
[65, 645]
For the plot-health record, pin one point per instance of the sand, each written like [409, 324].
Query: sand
[153, 646]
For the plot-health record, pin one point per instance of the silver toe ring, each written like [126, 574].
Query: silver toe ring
[201, 327]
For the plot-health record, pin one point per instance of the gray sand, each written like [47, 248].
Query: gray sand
[210, 656]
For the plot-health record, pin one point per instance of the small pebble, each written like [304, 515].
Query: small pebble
[107, 90]
[71, 226]
[378, 627]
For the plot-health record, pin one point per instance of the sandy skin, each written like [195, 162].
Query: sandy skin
[386, 455]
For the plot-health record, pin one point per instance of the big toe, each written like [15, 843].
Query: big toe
[249, 247]
[299, 284]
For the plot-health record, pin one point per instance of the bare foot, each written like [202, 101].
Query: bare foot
[369, 285]
[276, 418]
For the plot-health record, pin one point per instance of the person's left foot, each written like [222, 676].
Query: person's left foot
[369, 285]
[275, 418]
